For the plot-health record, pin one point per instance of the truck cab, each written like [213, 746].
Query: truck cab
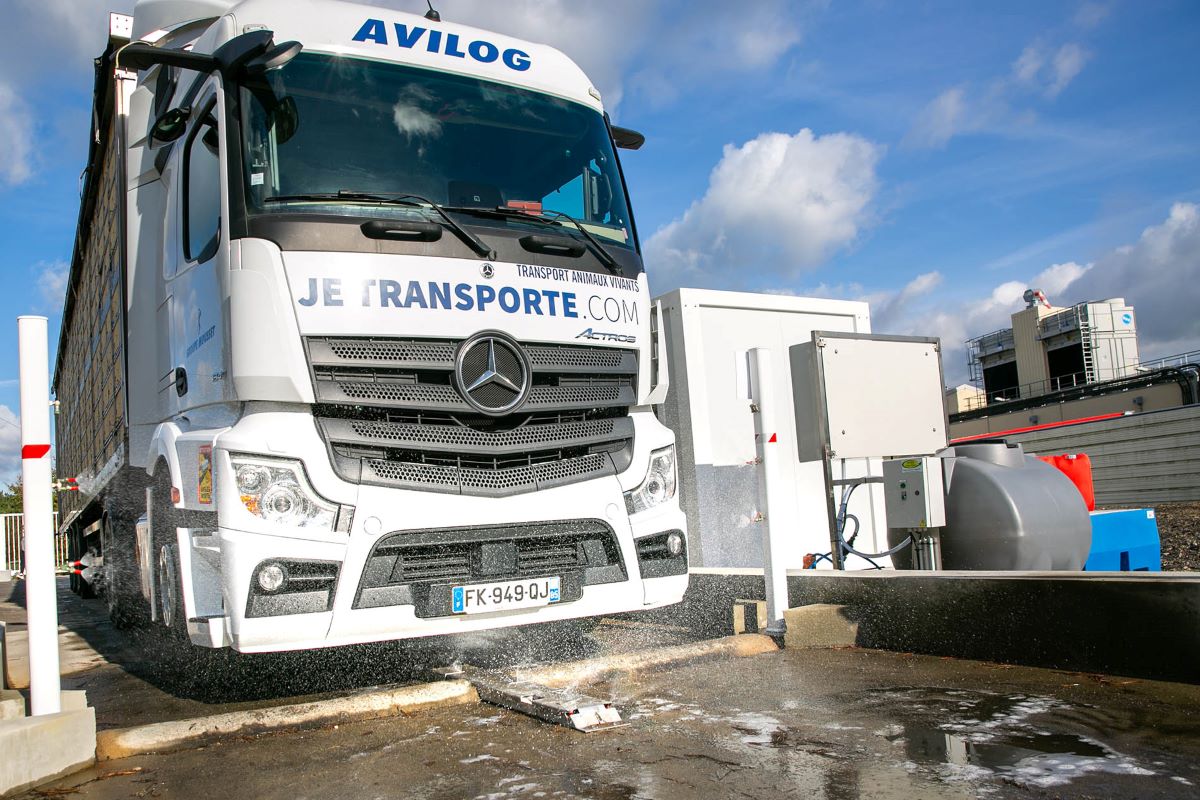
[391, 360]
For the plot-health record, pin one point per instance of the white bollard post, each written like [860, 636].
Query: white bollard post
[5, 574]
[770, 488]
[41, 597]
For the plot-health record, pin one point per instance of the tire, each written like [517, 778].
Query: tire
[168, 587]
[127, 609]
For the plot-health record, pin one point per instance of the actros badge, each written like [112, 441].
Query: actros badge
[606, 336]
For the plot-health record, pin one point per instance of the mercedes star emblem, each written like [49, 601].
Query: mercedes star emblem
[492, 373]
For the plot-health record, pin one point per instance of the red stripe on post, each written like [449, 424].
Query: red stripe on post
[34, 450]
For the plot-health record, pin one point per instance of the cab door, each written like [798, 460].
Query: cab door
[197, 372]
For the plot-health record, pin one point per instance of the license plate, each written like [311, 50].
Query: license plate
[481, 598]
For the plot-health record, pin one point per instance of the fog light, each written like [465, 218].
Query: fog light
[271, 578]
[674, 544]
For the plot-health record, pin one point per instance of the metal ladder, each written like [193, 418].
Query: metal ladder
[1087, 344]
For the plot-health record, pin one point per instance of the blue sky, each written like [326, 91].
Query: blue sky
[935, 158]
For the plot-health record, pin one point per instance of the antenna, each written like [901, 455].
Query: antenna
[432, 15]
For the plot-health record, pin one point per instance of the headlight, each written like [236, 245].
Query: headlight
[278, 492]
[659, 485]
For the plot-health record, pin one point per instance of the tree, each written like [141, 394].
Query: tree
[12, 499]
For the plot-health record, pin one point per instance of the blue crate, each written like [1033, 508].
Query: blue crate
[1125, 541]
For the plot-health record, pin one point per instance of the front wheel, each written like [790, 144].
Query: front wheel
[169, 594]
[122, 585]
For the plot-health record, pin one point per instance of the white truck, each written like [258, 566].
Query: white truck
[358, 343]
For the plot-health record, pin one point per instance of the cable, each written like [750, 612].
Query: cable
[868, 556]
[848, 546]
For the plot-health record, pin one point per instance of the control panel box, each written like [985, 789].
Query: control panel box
[913, 492]
[865, 396]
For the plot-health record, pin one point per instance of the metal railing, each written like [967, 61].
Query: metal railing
[1178, 360]
[14, 543]
[1034, 389]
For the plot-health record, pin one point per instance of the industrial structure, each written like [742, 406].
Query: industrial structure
[1052, 348]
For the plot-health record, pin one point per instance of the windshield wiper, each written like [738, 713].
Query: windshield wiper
[541, 216]
[471, 239]
[414, 200]
[604, 256]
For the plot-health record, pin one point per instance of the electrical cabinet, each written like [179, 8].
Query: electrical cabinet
[913, 492]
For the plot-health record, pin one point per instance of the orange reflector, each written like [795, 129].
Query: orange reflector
[175, 495]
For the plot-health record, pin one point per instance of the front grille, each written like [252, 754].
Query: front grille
[391, 415]
[419, 567]
[452, 562]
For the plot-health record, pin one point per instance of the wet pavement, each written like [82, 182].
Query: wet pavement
[815, 724]
[825, 724]
[136, 677]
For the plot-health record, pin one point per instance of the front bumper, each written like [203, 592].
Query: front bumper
[367, 601]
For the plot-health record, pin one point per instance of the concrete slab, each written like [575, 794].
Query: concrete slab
[12, 704]
[40, 749]
[1126, 623]
[819, 625]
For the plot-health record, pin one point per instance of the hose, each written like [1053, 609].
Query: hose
[848, 546]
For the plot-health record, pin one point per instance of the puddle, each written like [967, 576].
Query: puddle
[1037, 759]
[975, 735]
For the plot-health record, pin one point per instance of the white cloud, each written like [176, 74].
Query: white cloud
[1002, 104]
[10, 447]
[1029, 63]
[776, 205]
[42, 40]
[1159, 275]
[52, 283]
[1091, 14]
[889, 308]
[1068, 62]
[938, 122]
[16, 138]
[903, 311]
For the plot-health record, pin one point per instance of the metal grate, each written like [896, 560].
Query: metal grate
[455, 555]
[550, 357]
[375, 350]
[472, 480]
[391, 414]
[461, 436]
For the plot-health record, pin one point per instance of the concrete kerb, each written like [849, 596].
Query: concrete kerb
[4, 681]
[162, 737]
[42, 748]
[595, 669]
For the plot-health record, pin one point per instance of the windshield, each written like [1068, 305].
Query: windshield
[325, 124]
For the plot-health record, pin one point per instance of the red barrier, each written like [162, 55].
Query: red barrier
[1077, 467]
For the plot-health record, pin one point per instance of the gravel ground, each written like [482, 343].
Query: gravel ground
[1179, 530]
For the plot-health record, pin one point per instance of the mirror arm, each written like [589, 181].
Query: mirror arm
[231, 58]
[140, 55]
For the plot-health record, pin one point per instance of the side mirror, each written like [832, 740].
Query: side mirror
[171, 125]
[277, 56]
[627, 139]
